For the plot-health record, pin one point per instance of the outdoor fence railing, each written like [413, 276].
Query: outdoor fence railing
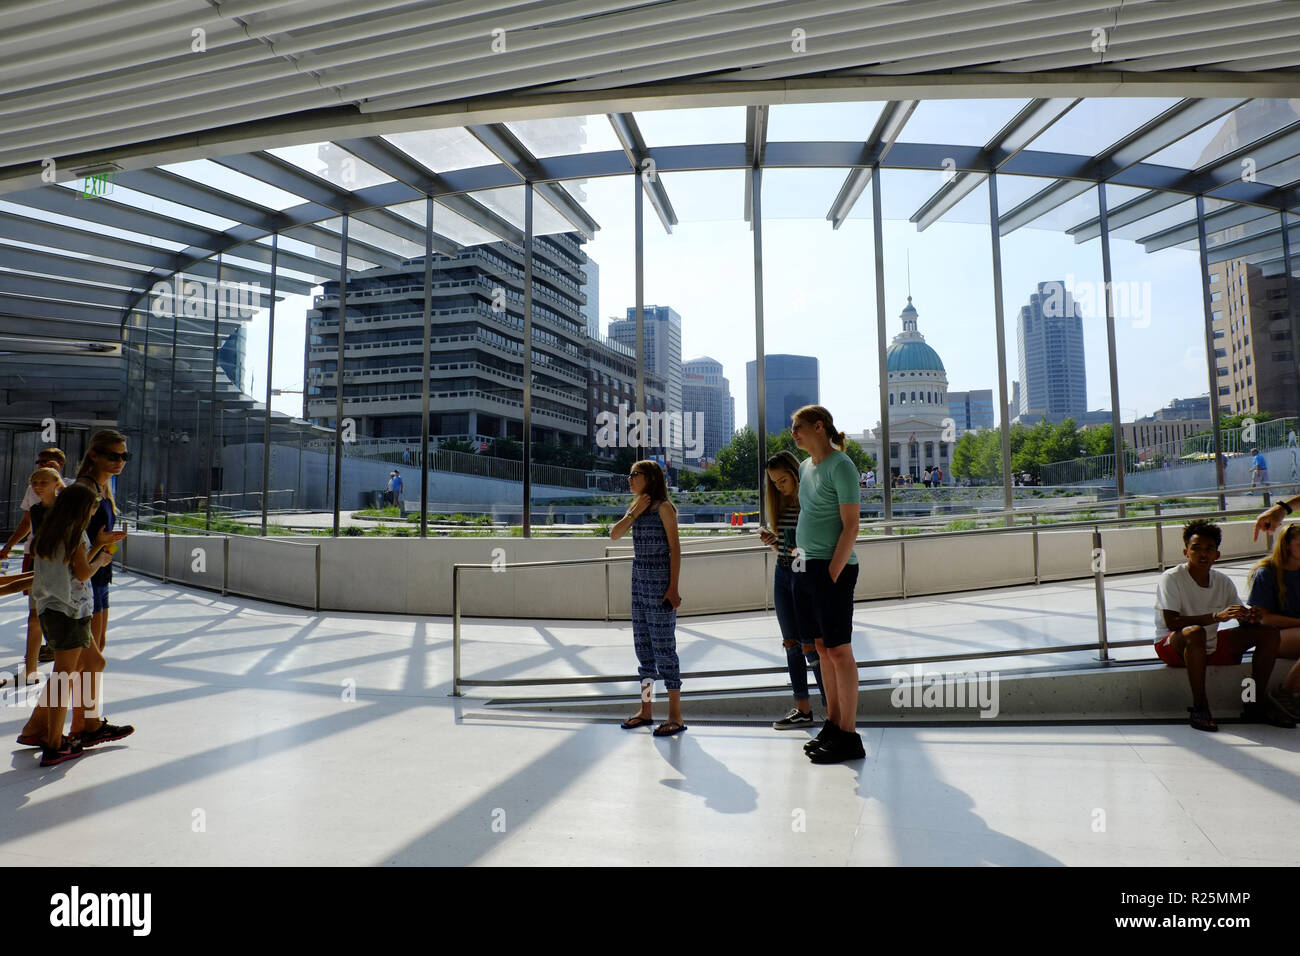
[225, 588]
[1102, 644]
[1191, 450]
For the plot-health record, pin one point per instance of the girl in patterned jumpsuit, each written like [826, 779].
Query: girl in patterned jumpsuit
[656, 563]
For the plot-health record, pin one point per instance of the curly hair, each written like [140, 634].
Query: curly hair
[1206, 529]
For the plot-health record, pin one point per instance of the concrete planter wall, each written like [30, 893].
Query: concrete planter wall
[410, 576]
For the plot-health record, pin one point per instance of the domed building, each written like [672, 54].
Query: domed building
[921, 430]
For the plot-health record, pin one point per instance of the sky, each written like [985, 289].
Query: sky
[818, 283]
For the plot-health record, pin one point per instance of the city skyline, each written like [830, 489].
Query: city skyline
[819, 291]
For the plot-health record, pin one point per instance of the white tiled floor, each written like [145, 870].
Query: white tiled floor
[242, 725]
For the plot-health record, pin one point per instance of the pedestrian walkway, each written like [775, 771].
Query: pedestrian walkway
[268, 735]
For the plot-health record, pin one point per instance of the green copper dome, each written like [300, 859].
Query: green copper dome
[913, 357]
[908, 352]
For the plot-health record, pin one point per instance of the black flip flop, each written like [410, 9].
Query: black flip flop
[1201, 719]
[637, 721]
[669, 728]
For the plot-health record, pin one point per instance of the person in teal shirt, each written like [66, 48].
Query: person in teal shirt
[829, 509]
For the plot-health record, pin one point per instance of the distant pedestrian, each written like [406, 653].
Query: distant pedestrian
[1259, 471]
[925, 476]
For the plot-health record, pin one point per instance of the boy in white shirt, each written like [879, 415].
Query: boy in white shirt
[1192, 600]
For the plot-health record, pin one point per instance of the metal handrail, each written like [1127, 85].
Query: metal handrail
[776, 669]
[1102, 645]
[225, 558]
[1114, 503]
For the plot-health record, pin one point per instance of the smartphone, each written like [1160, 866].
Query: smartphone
[666, 604]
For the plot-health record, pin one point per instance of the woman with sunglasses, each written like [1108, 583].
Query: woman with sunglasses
[656, 564]
[104, 460]
[1275, 596]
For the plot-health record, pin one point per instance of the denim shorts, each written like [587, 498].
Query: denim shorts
[100, 592]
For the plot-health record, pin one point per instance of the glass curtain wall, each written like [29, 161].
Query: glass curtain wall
[1057, 354]
[199, 356]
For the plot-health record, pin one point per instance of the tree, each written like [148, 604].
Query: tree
[506, 448]
[860, 458]
[708, 480]
[1099, 441]
[624, 459]
[979, 456]
[459, 444]
[738, 462]
[561, 454]
[1236, 421]
[687, 480]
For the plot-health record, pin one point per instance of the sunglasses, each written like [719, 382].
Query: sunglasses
[113, 455]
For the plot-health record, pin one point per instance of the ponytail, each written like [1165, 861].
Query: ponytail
[818, 413]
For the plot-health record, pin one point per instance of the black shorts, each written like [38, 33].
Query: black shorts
[825, 607]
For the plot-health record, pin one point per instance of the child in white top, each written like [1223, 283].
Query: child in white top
[1192, 600]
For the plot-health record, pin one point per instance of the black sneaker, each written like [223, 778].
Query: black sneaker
[68, 749]
[828, 731]
[107, 732]
[794, 720]
[45, 655]
[842, 747]
[1266, 712]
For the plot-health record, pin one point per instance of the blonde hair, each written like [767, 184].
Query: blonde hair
[49, 474]
[788, 461]
[1274, 562]
[811, 414]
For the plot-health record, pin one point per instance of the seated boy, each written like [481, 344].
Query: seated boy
[1192, 600]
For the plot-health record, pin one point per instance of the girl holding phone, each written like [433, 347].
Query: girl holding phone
[782, 493]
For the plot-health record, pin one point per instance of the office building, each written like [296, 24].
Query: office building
[476, 370]
[971, 410]
[706, 391]
[1049, 336]
[792, 382]
[611, 388]
[662, 328]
